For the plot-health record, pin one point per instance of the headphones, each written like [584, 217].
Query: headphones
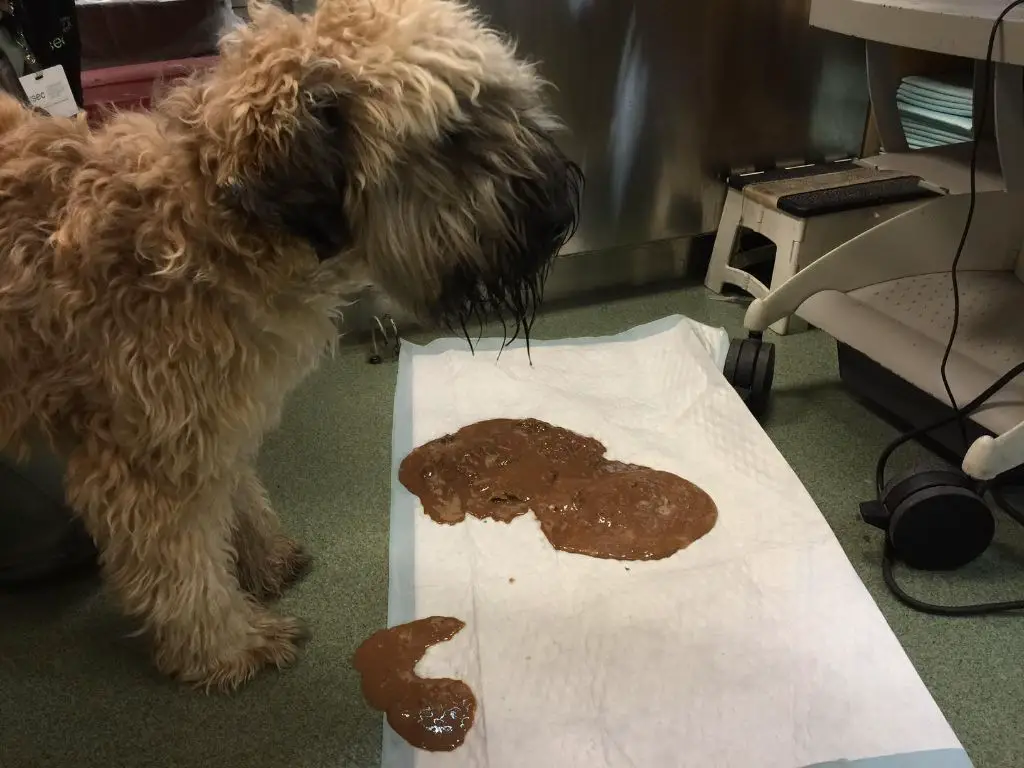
[936, 520]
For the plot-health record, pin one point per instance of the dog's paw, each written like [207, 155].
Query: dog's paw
[285, 564]
[271, 642]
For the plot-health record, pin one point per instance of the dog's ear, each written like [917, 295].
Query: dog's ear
[299, 187]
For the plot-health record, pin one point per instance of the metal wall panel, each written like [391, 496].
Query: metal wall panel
[665, 96]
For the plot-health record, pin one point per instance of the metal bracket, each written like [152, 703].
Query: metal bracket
[389, 344]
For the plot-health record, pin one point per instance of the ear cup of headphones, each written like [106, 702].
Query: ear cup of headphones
[937, 520]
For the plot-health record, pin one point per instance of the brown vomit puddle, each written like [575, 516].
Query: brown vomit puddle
[503, 468]
[433, 714]
[499, 470]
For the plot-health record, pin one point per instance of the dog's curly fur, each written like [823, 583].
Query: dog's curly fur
[166, 279]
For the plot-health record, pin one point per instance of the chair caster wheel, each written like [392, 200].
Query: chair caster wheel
[750, 368]
[934, 520]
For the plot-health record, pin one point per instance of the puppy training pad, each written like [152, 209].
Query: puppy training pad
[755, 647]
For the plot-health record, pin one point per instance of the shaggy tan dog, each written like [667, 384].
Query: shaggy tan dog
[167, 278]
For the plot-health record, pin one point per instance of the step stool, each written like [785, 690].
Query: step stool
[806, 211]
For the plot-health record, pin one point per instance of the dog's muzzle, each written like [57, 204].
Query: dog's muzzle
[507, 281]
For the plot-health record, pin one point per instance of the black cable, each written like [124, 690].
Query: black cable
[889, 555]
[975, 144]
[981, 609]
[959, 414]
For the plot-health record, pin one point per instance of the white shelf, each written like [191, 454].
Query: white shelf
[904, 325]
[954, 27]
[948, 167]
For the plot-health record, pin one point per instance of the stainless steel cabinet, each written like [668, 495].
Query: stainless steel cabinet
[664, 96]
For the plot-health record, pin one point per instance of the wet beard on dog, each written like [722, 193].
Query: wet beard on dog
[511, 291]
[513, 302]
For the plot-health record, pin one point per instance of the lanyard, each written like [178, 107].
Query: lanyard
[47, 31]
[9, 21]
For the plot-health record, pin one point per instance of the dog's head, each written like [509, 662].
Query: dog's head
[404, 141]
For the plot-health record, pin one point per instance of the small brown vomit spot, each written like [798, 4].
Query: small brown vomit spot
[430, 714]
[511, 580]
[503, 468]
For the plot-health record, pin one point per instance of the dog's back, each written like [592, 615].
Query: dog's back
[38, 155]
[111, 247]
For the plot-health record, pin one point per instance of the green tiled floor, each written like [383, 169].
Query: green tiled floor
[77, 692]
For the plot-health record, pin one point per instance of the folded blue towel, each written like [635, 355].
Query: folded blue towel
[922, 100]
[934, 113]
[940, 134]
[919, 137]
[953, 92]
[935, 119]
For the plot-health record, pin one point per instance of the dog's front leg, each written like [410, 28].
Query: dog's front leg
[267, 561]
[170, 560]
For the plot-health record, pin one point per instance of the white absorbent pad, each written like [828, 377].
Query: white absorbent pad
[755, 647]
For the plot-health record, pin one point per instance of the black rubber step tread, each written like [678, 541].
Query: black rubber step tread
[867, 195]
